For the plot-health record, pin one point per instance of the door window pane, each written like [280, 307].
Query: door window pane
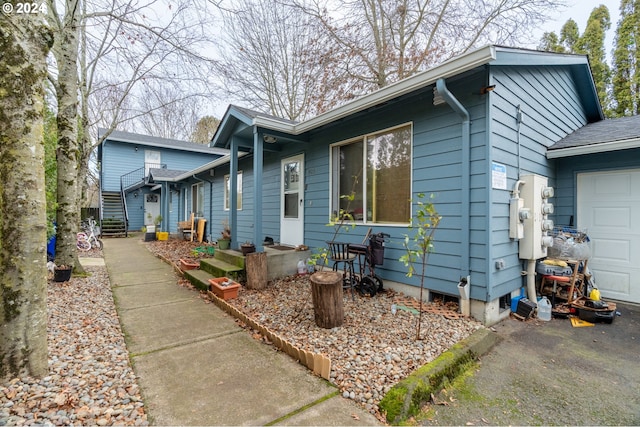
[291, 187]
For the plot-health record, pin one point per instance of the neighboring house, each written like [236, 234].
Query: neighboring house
[465, 131]
[132, 187]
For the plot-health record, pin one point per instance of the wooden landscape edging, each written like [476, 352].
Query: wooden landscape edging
[318, 363]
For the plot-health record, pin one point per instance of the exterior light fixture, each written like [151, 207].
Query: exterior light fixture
[269, 139]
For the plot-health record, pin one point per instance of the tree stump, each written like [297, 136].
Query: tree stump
[326, 292]
[256, 267]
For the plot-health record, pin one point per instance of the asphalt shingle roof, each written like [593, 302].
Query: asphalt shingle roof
[154, 141]
[609, 130]
[160, 174]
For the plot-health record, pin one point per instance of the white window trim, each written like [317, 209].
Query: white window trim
[226, 196]
[192, 199]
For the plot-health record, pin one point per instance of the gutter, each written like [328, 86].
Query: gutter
[603, 147]
[465, 209]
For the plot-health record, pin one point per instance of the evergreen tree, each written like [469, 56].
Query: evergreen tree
[626, 76]
[551, 43]
[592, 43]
[570, 36]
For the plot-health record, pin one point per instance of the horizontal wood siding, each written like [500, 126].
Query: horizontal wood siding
[119, 158]
[551, 110]
[437, 169]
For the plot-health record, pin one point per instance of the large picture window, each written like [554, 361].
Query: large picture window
[371, 177]
[227, 191]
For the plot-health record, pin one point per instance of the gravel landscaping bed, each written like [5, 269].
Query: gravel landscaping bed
[90, 380]
[371, 352]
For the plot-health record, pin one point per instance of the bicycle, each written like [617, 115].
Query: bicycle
[369, 255]
[82, 241]
[87, 238]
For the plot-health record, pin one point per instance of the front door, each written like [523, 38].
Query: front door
[292, 201]
[151, 208]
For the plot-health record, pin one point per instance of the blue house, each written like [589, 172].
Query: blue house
[466, 131]
[478, 132]
[134, 189]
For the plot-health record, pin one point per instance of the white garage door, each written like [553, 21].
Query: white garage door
[609, 209]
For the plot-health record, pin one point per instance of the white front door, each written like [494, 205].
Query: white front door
[609, 210]
[292, 201]
[151, 207]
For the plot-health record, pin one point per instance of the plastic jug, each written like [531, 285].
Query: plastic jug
[302, 267]
[594, 295]
[544, 309]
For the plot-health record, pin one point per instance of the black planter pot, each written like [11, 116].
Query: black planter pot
[62, 274]
[149, 237]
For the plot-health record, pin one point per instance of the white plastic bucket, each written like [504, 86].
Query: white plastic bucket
[544, 309]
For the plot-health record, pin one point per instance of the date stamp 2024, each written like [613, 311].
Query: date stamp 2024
[26, 8]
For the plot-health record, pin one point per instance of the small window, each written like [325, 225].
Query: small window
[227, 191]
[197, 199]
[371, 177]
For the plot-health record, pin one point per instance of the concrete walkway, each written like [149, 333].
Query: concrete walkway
[196, 366]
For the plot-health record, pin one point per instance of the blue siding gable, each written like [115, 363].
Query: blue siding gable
[550, 106]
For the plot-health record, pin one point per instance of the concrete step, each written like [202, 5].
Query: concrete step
[218, 268]
[198, 278]
[230, 257]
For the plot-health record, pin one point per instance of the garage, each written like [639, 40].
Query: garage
[598, 191]
[608, 208]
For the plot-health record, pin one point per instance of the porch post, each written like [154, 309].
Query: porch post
[164, 206]
[233, 193]
[258, 158]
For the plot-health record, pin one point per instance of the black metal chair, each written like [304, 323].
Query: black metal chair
[342, 259]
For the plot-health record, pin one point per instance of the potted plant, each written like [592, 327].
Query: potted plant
[62, 273]
[247, 248]
[225, 235]
[188, 264]
[224, 288]
[160, 235]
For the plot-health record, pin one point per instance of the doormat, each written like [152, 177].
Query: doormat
[579, 323]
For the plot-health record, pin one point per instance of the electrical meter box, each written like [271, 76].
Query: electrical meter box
[536, 239]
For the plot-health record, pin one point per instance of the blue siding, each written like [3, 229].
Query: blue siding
[120, 158]
[551, 110]
[550, 113]
[437, 169]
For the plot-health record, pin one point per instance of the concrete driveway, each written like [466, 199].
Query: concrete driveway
[550, 373]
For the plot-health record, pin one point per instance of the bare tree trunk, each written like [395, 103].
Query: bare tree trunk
[24, 43]
[68, 154]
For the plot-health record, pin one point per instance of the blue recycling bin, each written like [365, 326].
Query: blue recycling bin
[51, 248]
[51, 245]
